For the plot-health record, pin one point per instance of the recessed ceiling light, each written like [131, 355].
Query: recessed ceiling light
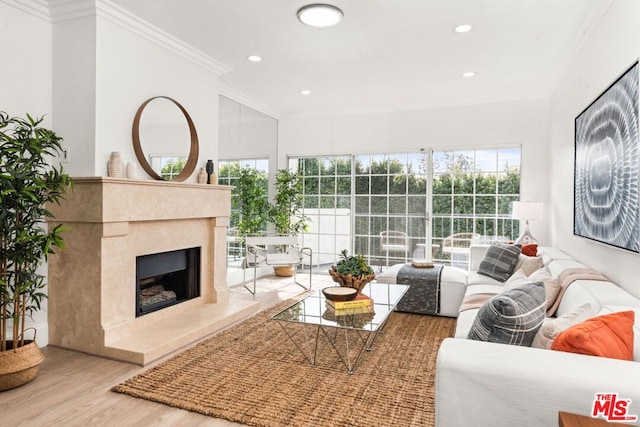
[464, 28]
[319, 15]
[468, 74]
[254, 58]
[305, 92]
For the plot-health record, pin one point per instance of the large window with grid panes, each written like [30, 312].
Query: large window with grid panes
[438, 202]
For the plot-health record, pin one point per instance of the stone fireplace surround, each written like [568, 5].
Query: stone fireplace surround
[92, 283]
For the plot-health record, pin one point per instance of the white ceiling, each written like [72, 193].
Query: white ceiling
[385, 54]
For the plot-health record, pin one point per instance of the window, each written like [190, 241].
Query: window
[472, 195]
[442, 202]
[327, 202]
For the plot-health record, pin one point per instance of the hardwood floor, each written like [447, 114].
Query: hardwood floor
[73, 389]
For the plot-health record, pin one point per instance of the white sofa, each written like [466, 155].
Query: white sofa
[489, 384]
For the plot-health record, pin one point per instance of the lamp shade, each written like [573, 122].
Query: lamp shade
[530, 211]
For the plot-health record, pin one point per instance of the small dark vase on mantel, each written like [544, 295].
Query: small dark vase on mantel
[209, 170]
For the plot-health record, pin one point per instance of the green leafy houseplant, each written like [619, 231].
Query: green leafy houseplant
[286, 210]
[28, 182]
[251, 207]
[352, 271]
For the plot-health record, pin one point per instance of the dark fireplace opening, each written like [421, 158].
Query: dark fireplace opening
[166, 278]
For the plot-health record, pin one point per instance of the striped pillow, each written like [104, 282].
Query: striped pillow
[499, 261]
[512, 317]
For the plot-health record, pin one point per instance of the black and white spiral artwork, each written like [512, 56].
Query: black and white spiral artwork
[606, 204]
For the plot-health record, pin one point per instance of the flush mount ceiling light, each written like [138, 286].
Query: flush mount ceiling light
[305, 92]
[468, 74]
[254, 58]
[464, 28]
[319, 15]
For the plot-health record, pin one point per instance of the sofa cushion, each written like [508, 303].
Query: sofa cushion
[549, 254]
[551, 285]
[528, 264]
[512, 317]
[476, 279]
[550, 329]
[499, 261]
[609, 335]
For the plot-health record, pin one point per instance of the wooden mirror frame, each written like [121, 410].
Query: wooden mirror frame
[194, 151]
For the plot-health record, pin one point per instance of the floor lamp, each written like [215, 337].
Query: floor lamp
[527, 211]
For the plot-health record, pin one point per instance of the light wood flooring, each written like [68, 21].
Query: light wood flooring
[72, 388]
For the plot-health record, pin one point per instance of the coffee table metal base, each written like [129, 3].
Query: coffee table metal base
[359, 342]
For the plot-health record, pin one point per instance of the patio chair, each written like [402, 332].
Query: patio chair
[394, 241]
[458, 247]
[275, 251]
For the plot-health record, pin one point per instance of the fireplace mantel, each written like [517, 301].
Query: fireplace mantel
[92, 283]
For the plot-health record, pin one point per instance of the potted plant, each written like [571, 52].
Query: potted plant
[285, 213]
[352, 271]
[28, 182]
[251, 207]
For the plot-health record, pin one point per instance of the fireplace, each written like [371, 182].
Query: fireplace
[93, 284]
[166, 278]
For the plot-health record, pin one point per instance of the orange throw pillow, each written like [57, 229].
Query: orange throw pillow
[610, 335]
[530, 249]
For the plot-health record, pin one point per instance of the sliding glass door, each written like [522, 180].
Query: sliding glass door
[396, 207]
[472, 195]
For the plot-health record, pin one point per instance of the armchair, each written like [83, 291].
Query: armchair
[262, 251]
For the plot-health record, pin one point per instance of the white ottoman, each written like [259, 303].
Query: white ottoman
[453, 285]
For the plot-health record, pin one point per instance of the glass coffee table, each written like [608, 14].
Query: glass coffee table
[348, 331]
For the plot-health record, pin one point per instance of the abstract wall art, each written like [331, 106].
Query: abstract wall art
[606, 201]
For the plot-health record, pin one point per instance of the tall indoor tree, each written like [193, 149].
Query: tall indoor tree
[28, 183]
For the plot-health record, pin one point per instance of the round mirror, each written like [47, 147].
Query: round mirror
[165, 139]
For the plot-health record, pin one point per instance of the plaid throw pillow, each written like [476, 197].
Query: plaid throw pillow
[499, 261]
[512, 317]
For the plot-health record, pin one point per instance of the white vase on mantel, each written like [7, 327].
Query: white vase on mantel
[132, 170]
[115, 165]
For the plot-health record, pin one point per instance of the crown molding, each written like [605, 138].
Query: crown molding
[37, 8]
[243, 99]
[65, 10]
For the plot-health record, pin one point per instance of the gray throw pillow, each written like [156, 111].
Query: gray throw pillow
[499, 261]
[512, 317]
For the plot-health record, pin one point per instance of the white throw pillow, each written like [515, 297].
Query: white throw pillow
[552, 327]
[529, 264]
[551, 286]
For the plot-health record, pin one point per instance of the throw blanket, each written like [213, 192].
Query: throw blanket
[569, 276]
[423, 295]
[475, 301]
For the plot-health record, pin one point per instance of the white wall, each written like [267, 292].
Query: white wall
[26, 88]
[609, 50]
[524, 123]
[132, 69]
[26, 63]
[107, 63]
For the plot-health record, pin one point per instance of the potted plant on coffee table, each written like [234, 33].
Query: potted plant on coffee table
[352, 271]
[285, 213]
[28, 182]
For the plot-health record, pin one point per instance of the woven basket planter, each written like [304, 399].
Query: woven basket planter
[350, 281]
[284, 270]
[19, 366]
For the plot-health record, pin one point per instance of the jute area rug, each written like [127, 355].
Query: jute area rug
[253, 374]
